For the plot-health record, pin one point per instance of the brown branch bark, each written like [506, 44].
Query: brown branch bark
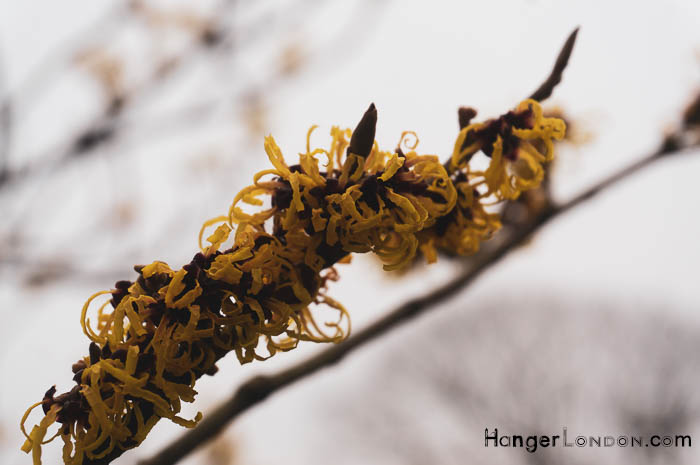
[260, 387]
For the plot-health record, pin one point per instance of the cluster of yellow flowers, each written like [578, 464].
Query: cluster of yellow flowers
[154, 337]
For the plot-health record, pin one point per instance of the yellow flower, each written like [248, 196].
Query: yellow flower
[463, 230]
[518, 143]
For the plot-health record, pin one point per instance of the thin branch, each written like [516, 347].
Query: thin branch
[260, 387]
[545, 90]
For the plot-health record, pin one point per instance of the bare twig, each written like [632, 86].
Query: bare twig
[260, 387]
[545, 90]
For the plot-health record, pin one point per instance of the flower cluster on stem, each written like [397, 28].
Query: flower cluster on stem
[257, 284]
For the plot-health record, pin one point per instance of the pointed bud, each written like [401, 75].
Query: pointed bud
[465, 115]
[362, 138]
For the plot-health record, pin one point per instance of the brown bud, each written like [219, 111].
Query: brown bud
[79, 365]
[95, 354]
[362, 138]
[465, 114]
